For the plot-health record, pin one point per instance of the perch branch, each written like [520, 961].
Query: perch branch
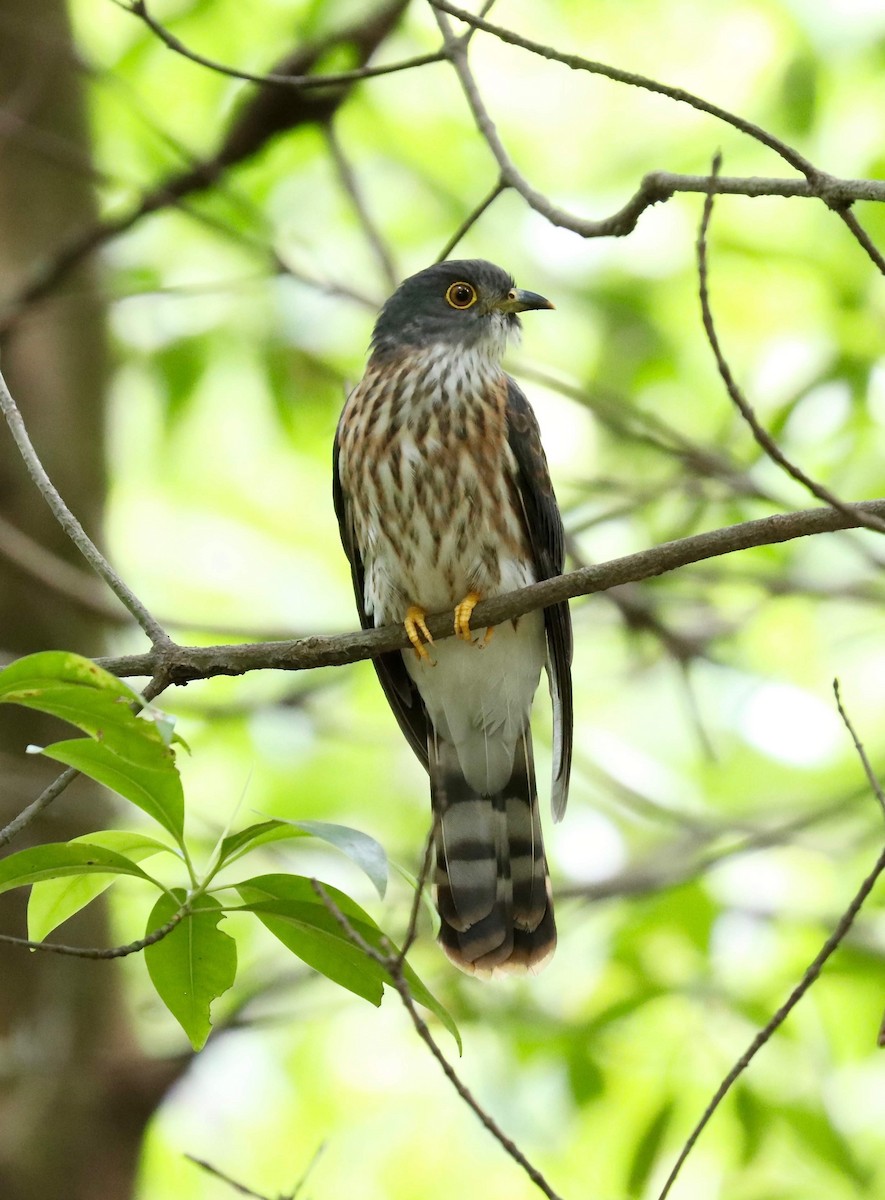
[185, 663]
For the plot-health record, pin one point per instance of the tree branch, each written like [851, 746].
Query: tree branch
[100, 953]
[471, 219]
[71, 525]
[811, 974]
[185, 663]
[393, 965]
[763, 438]
[138, 8]
[824, 186]
[268, 112]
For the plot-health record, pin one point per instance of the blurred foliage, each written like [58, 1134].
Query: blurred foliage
[719, 820]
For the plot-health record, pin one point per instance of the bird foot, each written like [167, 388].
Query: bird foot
[416, 626]
[463, 613]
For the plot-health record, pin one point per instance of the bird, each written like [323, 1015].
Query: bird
[443, 498]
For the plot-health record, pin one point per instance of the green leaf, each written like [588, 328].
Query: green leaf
[193, 965]
[56, 900]
[27, 676]
[368, 854]
[648, 1148]
[154, 787]
[293, 912]
[824, 1141]
[57, 859]
[129, 754]
[360, 848]
[236, 844]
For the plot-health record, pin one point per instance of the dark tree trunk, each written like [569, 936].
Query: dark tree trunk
[74, 1091]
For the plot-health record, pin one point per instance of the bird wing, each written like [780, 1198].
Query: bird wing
[547, 540]
[402, 695]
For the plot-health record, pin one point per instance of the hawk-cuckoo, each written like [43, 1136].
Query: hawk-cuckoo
[444, 498]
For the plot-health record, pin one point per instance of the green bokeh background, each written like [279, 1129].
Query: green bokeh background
[705, 715]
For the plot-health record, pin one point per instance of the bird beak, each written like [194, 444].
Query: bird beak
[517, 300]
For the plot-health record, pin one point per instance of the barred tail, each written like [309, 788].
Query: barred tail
[492, 887]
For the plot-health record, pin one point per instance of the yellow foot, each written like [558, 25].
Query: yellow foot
[463, 613]
[415, 627]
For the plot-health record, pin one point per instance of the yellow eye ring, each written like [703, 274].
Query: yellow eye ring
[461, 295]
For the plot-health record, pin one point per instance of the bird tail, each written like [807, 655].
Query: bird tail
[492, 887]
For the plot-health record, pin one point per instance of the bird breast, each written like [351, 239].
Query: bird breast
[425, 457]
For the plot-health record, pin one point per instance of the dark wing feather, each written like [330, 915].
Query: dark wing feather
[547, 540]
[401, 693]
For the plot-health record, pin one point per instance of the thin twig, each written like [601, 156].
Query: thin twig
[393, 966]
[858, 745]
[763, 438]
[185, 663]
[150, 939]
[29, 814]
[811, 974]
[423, 875]
[351, 186]
[860, 234]
[576, 62]
[243, 1190]
[471, 219]
[240, 1188]
[138, 8]
[72, 526]
[819, 183]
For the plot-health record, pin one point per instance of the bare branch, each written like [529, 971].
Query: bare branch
[392, 964]
[576, 63]
[860, 234]
[239, 1188]
[858, 745]
[811, 974]
[423, 876]
[471, 219]
[71, 525]
[56, 573]
[185, 663]
[33, 810]
[763, 438]
[351, 186]
[139, 9]
[833, 192]
[150, 939]
[268, 112]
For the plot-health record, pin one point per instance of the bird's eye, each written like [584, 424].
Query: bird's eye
[461, 295]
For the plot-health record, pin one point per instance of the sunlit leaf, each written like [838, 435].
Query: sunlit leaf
[127, 753]
[193, 965]
[156, 790]
[360, 848]
[236, 844]
[57, 859]
[56, 900]
[293, 911]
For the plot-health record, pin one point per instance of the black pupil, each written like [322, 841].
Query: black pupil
[462, 294]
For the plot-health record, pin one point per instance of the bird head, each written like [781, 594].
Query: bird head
[462, 304]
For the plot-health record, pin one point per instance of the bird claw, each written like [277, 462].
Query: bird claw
[416, 627]
[463, 613]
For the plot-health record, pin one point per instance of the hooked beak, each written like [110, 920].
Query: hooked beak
[518, 300]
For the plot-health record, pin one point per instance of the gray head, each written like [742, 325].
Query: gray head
[464, 303]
